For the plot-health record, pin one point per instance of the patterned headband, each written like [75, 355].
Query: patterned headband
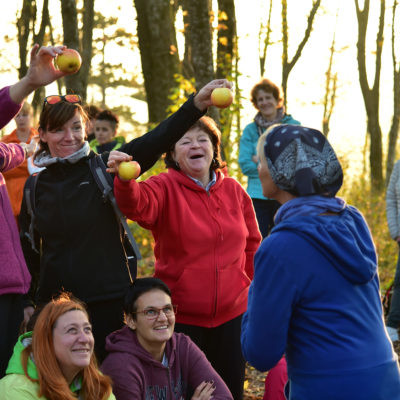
[302, 162]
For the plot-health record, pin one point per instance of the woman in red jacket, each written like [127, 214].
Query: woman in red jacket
[205, 235]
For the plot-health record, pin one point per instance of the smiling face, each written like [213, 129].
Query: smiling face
[103, 131]
[153, 334]
[267, 104]
[194, 154]
[23, 119]
[66, 139]
[73, 343]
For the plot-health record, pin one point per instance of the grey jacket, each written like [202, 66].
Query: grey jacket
[393, 202]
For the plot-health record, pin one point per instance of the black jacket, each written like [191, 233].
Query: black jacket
[80, 236]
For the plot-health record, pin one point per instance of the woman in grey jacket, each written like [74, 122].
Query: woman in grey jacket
[393, 220]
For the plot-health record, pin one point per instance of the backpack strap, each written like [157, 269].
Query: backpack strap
[105, 183]
[29, 191]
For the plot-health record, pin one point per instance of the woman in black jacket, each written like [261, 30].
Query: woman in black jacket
[80, 238]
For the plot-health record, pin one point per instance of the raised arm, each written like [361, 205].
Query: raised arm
[147, 149]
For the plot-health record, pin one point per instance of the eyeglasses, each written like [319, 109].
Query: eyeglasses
[69, 98]
[153, 312]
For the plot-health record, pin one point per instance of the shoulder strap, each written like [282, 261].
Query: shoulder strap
[105, 183]
[30, 190]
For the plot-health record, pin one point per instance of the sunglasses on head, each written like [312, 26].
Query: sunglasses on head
[69, 98]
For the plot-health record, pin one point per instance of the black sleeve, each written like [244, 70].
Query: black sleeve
[147, 149]
[31, 257]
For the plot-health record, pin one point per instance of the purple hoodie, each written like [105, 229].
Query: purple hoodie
[137, 375]
[14, 275]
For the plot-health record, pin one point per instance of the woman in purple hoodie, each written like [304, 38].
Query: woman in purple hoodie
[147, 360]
[14, 275]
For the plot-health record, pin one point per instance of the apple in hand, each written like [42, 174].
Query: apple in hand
[129, 170]
[221, 97]
[69, 61]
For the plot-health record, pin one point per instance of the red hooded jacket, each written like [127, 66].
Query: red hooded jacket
[204, 241]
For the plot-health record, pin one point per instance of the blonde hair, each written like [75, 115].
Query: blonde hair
[52, 383]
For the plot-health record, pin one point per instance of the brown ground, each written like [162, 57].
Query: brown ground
[254, 384]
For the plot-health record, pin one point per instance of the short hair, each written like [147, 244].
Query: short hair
[54, 116]
[269, 87]
[52, 383]
[209, 126]
[137, 288]
[107, 115]
[27, 108]
[91, 110]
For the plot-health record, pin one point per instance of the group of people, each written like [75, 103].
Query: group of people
[306, 296]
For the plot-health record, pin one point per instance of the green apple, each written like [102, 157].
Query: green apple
[128, 170]
[69, 61]
[221, 97]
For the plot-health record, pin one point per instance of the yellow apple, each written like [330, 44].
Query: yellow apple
[69, 61]
[221, 97]
[129, 170]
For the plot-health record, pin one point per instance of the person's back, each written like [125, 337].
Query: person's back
[336, 331]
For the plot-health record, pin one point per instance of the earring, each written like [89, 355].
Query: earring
[177, 165]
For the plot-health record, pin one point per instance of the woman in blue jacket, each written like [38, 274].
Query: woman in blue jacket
[315, 294]
[267, 98]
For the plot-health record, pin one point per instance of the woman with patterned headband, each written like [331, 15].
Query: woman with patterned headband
[315, 294]
[77, 233]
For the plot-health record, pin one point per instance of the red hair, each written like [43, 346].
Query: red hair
[52, 383]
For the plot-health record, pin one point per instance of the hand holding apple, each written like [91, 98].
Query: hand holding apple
[69, 61]
[221, 97]
[203, 99]
[128, 170]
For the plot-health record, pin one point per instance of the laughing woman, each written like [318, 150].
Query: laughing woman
[205, 235]
[56, 362]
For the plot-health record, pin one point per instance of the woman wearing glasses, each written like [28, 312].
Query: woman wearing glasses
[77, 233]
[147, 360]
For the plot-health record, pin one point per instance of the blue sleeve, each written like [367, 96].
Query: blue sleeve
[247, 149]
[272, 296]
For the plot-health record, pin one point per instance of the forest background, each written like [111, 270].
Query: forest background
[336, 61]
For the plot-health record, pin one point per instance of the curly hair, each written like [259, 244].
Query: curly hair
[209, 126]
[269, 87]
[52, 383]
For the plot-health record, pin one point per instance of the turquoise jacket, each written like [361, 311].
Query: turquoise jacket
[16, 386]
[248, 149]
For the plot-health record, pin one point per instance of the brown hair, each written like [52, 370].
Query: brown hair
[269, 87]
[52, 383]
[54, 116]
[209, 126]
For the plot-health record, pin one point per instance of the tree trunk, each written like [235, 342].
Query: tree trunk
[394, 128]
[158, 52]
[87, 46]
[287, 65]
[371, 96]
[73, 82]
[264, 44]
[227, 46]
[199, 38]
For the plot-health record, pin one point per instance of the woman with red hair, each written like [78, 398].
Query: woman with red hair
[56, 361]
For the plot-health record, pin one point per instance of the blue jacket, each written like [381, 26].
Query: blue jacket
[315, 296]
[248, 149]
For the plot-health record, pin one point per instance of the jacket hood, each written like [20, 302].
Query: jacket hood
[344, 239]
[125, 341]
[14, 365]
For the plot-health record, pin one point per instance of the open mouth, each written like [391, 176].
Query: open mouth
[196, 156]
[160, 328]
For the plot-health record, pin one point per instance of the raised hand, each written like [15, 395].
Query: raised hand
[202, 100]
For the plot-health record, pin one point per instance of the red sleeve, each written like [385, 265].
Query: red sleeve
[140, 201]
